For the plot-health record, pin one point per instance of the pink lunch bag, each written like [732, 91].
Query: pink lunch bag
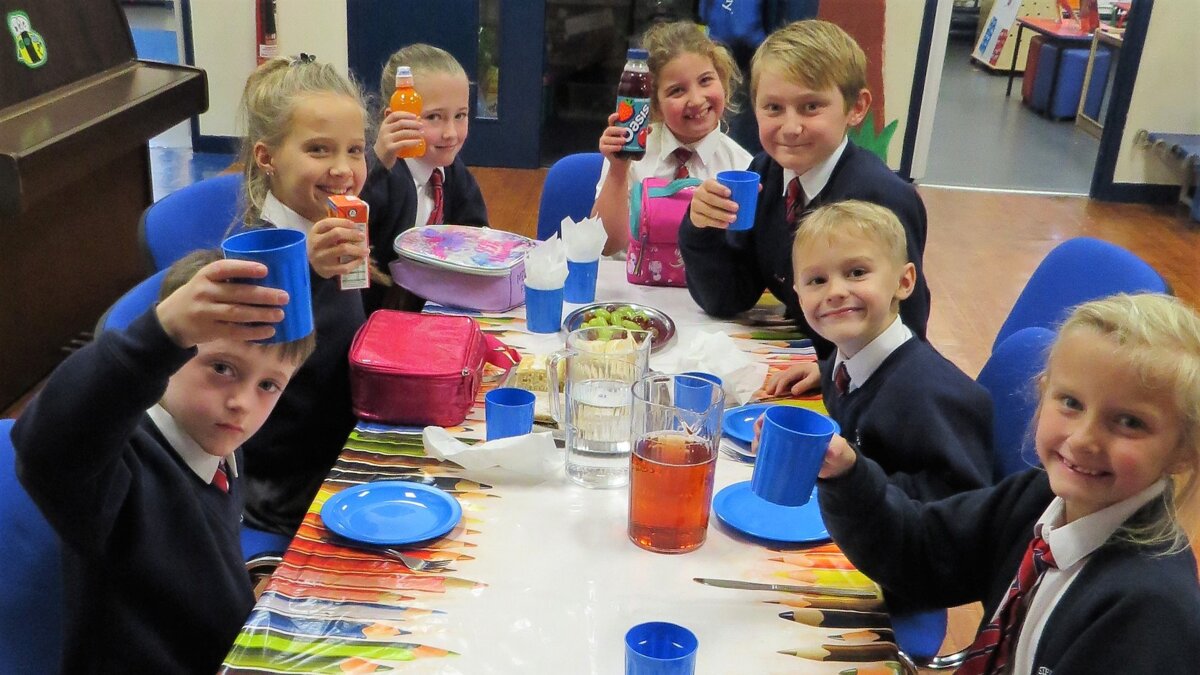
[656, 208]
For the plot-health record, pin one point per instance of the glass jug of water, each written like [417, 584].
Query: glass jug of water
[601, 365]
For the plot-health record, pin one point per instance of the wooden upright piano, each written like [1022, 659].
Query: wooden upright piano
[76, 112]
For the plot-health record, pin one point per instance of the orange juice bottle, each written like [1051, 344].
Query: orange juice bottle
[406, 99]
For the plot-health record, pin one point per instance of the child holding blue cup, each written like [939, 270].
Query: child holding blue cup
[284, 254]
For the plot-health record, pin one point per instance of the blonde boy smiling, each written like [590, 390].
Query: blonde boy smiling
[904, 405]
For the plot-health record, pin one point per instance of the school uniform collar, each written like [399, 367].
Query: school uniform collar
[864, 364]
[282, 216]
[200, 462]
[704, 151]
[815, 179]
[1073, 542]
[421, 171]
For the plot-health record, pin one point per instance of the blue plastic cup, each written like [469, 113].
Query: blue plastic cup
[543, 310]
[508, 412]
[791, 450]
[286, 258]
[744, 186]
[693, 390]
[581, 281]
[660, 648]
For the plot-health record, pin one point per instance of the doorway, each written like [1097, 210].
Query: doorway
[985, 139]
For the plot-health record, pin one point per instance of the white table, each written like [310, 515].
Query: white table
[564, 582]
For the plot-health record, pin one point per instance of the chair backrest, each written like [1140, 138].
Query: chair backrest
[1076, 271]
[196, 216]
[1009, 376]
[131, 305]
[31, 613]
[569, 190]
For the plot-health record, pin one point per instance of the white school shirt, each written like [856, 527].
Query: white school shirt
[864, 364]
[203, 464]
[421, 171]
[1071, 545]
[283, 217]
[714, 153]
[815, 179]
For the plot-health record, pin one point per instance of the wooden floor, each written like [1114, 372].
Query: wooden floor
[981, 249]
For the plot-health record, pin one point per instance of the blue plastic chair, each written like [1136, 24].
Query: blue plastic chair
[1076, 271]
[569, 190]
[193, 217]
[132, 304]
[1008, 376]
[31, 612]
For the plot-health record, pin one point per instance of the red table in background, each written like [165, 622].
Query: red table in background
[1066, 31]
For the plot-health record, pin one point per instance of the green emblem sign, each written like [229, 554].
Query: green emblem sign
[31, 48]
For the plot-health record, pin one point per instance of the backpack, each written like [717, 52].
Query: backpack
[656, 208]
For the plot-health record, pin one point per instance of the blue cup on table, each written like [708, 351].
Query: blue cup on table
[286, 257]
[791, 449]
[543, 309]
[693, 390]
[508, 411]
[743, 186]
[660, 648]
[581, 281]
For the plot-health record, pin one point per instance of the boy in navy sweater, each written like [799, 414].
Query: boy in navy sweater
[430, 189]
[808, 86]
[130, 451]
[899, 401]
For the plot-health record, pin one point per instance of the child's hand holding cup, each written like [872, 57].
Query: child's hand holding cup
[791, 448]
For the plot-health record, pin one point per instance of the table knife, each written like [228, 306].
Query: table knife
[788, 588]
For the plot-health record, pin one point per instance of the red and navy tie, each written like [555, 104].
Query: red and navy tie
[681, 155]
[795, 201]
[841, 379]
[221, 477]
[992, 649]
[435, 187]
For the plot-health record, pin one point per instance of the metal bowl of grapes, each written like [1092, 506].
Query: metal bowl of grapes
[624, 315]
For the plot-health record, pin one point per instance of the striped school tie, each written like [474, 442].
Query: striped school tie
[681, 155]
[435, 187]
[992, 649]
[221, 477]
[795, 202]
[841, 379]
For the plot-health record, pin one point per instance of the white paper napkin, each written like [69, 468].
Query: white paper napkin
[584, 240]
[531, 455]
[718, 354]
[546, 265]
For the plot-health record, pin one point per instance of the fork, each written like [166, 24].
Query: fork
[411, 562]
[418, 564]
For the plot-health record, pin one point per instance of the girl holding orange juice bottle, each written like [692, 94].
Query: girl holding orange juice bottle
[419, 178]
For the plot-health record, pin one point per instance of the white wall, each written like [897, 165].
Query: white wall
[1166, 96]
[223, 35]
[901, 39]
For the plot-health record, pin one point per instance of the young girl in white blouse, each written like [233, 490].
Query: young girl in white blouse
[693, 80]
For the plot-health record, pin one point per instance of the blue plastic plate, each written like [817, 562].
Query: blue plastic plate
[391, 513]
[746, 512]
[739, 422]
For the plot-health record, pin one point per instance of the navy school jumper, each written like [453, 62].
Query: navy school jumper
[921, 418]
[1128, 612]
[154, 579]
[727, 272]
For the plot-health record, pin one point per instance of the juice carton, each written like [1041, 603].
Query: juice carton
[354, 209]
